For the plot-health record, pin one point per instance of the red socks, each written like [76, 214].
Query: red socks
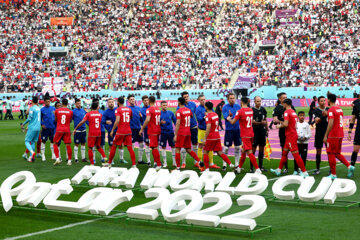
[112, 153]
[91, 155]
[206, 160]
[177, 159]
[101, 151]
[38, 146]
[242, 159]
[56, 150]
[132, 154]
[332, 163]
[156, 155]
[299, 161]
[253, 161]
[225, 158]
[69, 151]
[283, 159]
[194, 156]
[342, 159]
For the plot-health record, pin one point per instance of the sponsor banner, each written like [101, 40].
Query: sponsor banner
[174, 103]
[287, 13]
[289, 22]
[57, 49]
[341, 102]
[244, 81]
[268, 42]
[68, 21]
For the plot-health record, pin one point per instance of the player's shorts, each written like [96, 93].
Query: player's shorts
[146, 137]
[120, 140]
[334, 145]
[247, 143]
[135, 136]
[183, 141]
[232, 136]
[47, 133]
[80, 137]
[65, 136]
[357, 137]
[94, 141]
[319, 137]
[110, 140]
[194, 136]
[167, 138]
[154, 141]
[213, 145]
[32, 136]
[201, 136]
[259, 139]
[103, 134]
[291, 144]
[282, 137]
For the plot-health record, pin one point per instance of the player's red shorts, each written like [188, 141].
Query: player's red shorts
[65, 136]
[183, 141]
[247, 143]
[291, 144]
[334, 145]
[125, 140]
[213, 145]
[94, 141]
[154, 141]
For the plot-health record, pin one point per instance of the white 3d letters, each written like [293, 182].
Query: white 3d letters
[260, 186]
[281, 183]
[207, 180]
[224, 185]
[305, 187]
[340, 188]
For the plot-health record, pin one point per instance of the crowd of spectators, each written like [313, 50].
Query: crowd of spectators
[157, 44]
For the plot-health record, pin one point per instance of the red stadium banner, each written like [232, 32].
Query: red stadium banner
[68, 21]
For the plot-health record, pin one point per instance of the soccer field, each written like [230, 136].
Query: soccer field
[289, 220]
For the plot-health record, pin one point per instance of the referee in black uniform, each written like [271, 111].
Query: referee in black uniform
[261, 130]
[320, 115]
[355, 116]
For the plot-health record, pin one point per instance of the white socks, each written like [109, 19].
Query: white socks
[147, 153]
[42, 151]
[163, 153]
[76, 151]
[173, 156]
[237, 155]
[52, 151]
[121, 154]
[195, 149]
[183, 155]
[83, 152]
[140, 151]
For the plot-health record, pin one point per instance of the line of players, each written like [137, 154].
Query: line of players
[159, 125]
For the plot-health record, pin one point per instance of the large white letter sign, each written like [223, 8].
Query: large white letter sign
[125, 177]
[6, 190]
[282, 182]
[157, 179]
[109, 200]
[245, 220]
[209, 217]
[207, 180]
[260, 186]
[34, 194]
[196, 202]
[191, 176]
[85, 173]
[340, 188]
[149, 211]
[224, 185]
[305, 187]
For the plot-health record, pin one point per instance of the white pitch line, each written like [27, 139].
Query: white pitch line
[57, 228]
[313, 170]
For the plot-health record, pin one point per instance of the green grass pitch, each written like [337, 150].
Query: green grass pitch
[288, 221]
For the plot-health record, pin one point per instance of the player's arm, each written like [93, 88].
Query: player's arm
[147, 120]
[177, 127]
[225, 113]
[208, 128]
[173, 118]
[80, 123]
[328, 130]
[30, 116]
[283, 124]
[233, 120]
[115, 125]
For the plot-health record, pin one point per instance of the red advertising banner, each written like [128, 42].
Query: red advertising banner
[68, 21]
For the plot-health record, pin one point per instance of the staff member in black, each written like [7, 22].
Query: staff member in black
[278, 115]
[218, 111]
[312, 109]
[261, 130]
[355, 116]
[320, 116]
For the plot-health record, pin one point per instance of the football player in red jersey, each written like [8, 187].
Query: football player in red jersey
[182, 132]
[212, 136]
[153, 122]
[334, 136]
[123, 134]
[63, 117]
[291, 136]
[245, 117]
[94, 137]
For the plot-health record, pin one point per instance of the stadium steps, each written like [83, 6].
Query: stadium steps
[233, 79]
